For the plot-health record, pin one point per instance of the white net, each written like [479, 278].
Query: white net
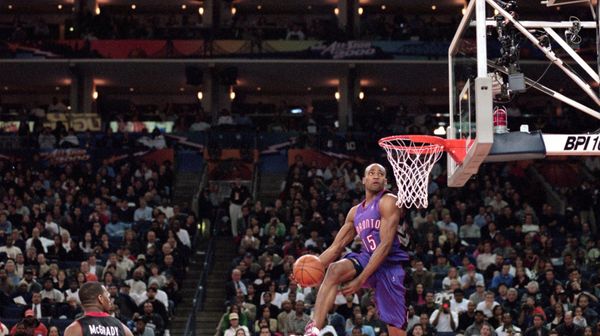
[412, 161]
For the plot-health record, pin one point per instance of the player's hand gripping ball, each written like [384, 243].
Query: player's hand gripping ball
[309, 271]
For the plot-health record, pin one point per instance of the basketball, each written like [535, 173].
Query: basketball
[308, 271]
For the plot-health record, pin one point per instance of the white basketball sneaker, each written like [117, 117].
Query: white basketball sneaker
[311, 330]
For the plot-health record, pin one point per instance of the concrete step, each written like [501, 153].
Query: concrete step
[184, 312]
[206, 330]
[274, 180]
[187, 176]
[228, 244]
[179, 318]
[214, 282]
[214, 304]
[183, 198]
[214, 301]
[225, 254]
[215, 289]
[185, 188]
[222, 277]
[188, 293]
[270, 187]
[273, 184]
[208, 316]
[189, 180]
[181, 201]
[175, 323]
[215, 296]
[195, 272]
[225, 259]
[221, 266]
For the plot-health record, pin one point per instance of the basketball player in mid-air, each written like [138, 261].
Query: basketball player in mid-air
[379, 263]
[96, 303]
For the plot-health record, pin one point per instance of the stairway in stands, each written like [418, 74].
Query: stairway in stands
[214, 305]
[188, 290]
[270, 186]
[189, 168]
[187, 181]
[186, 186]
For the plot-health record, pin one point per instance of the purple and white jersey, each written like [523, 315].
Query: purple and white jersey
[367, 223]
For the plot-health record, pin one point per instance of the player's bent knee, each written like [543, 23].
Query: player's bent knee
[393, 331]
[339, 271]
[333, 272]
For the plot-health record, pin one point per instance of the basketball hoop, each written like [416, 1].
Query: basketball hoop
[412, 157]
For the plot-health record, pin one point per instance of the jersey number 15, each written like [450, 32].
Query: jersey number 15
[369, 243]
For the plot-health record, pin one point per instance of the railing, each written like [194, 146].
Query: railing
[196, 198]
[200, 295]
[255, 181]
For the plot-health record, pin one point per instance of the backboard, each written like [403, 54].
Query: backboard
[475, 80]
[470, 94]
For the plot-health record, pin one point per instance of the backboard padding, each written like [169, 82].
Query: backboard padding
[470, 91]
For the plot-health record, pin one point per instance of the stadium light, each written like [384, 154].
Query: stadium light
[440, 130]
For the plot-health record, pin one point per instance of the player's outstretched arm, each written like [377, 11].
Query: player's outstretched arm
[343, 238]
[390, 217]
[74, 329]
[127, 330]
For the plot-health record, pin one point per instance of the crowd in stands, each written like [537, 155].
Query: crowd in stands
[95, 220]
[492, 258]
[414, 27]
[114, 24]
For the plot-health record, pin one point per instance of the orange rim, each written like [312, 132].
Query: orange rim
[429, 144]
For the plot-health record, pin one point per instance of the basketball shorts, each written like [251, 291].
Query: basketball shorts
[388, 284]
